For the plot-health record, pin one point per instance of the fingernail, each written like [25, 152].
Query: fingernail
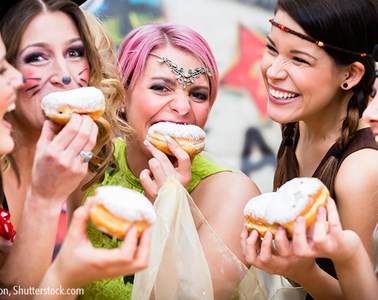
[146, 143]
[133, 230]
[168, 139]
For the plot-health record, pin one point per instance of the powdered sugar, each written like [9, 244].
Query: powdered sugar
[285, 204]
[125, 203]
[88, 99]
[177, 130]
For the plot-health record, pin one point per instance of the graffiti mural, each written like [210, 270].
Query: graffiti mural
[120, 16]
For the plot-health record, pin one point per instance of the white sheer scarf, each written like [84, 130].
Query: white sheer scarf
[178, 268]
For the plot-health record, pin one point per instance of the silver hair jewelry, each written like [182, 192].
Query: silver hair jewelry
[184, 78]
[66, 80]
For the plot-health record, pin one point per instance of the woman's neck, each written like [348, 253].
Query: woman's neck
[137, 157]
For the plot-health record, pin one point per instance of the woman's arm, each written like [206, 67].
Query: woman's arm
[57, 171]
[79, 263]
[356, 189]
[221, 199]
[353, 266]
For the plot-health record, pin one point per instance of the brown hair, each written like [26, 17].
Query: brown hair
[101, 74]
[350, 25]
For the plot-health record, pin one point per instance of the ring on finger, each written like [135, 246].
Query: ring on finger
[86, 156]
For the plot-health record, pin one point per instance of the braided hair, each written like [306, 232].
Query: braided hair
[350, 25]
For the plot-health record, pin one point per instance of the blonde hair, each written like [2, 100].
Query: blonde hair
[111, 86]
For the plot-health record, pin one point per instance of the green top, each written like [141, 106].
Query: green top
[116, 288]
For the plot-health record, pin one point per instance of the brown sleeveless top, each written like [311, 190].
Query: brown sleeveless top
[362, 139]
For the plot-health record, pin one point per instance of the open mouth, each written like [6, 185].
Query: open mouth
[282, 95]
[168, 121]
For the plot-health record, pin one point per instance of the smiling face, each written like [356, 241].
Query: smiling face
[158, 96]
[10, 80]
[302, 80]
[50, 49]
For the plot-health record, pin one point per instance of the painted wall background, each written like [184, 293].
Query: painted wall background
[238, 130]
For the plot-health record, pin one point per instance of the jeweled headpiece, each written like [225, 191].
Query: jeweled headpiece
[184, 78]
[317, 42]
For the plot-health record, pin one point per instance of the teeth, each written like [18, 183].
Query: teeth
[11, 107]
[281, 95]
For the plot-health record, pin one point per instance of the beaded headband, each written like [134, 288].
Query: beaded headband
[312, 40]
[184, 78]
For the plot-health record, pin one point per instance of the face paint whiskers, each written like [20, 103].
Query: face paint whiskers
[35, 87]
[83, 82]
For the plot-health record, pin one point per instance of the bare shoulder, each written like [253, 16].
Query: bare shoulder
[356, 188]
[367, 157]
[227, 190]
[358, 173]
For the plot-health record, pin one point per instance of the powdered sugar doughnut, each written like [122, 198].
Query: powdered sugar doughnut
[58, 106]
[297, 197]
[116, 208]
[191, 138]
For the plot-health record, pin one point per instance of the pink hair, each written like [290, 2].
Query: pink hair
[137, 45]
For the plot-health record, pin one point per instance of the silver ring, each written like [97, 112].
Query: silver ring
[86, 156]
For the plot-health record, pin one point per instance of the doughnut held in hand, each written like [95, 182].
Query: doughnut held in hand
[115, 209]
[297, 197]
[191, 138]
[59, 106]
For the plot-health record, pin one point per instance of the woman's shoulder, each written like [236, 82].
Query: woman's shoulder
[358, 175]
[227, 187]
[363, 161]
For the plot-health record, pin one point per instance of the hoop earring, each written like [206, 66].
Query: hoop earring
[345, 85]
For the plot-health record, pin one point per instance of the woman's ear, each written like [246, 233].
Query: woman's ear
[354, 74]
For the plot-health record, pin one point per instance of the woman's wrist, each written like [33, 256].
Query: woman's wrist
[58, 277]
[37, 202]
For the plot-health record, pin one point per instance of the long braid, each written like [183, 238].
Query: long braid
[327, 172]
[287, 160]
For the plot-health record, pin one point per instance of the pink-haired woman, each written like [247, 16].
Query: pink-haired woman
[196, 250]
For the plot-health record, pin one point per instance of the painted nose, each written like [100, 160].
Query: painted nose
[60, 73]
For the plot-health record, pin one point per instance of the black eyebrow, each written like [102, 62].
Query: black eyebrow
[271, 41]
[293, 51]
[304, 53]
